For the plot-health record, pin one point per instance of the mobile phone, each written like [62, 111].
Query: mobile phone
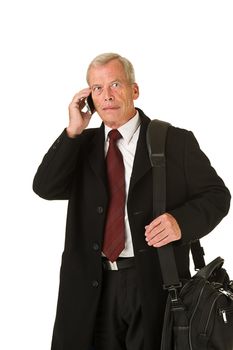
[90, 104]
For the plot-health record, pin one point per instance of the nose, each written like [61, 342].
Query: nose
[108, 96]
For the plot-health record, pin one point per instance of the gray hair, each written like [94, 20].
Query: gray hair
[109, 56]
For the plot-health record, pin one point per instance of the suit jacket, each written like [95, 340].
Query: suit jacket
[74, 169]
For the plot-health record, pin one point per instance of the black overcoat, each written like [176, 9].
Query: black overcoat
[74, 169]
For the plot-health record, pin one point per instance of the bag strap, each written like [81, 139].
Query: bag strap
[198, 255]
[156, 136]
[156, 139]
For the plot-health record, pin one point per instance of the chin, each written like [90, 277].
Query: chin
[110, 117]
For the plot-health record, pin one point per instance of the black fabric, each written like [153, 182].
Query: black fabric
[119, 318]
[198, 255]
[156, 140]
[156, 143]
[200, 315]
[74, 170]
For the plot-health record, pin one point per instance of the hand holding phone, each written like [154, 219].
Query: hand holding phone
[81, 109]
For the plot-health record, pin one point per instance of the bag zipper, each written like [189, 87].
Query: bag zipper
[210, 312]
[227, 292]
[224, 313]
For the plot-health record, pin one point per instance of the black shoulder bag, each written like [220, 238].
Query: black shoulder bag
[199, 311]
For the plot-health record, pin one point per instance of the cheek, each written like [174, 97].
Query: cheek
[129, 98]
[124, 97]
[98, 102]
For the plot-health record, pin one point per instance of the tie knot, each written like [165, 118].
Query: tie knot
[114, 135]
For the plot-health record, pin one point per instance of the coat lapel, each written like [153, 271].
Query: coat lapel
[141, 161]
[97, 157]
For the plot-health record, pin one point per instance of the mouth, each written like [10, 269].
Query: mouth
[110, 108]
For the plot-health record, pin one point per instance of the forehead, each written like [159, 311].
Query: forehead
[105, 73]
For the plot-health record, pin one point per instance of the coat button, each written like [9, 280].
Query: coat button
[95, 284]
[95, 246]
[138, 213]
[100, 210]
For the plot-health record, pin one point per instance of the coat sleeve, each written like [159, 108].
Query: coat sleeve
[53, 179]
[208, 199]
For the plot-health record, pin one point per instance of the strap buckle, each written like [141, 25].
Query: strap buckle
[173, 292]
[158, 160]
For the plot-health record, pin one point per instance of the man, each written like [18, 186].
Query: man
[111, 295]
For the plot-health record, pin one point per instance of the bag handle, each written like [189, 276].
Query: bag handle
[156, 139]
[207, 271]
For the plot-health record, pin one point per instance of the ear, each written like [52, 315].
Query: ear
[135, 91]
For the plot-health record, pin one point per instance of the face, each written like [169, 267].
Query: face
[112, 94]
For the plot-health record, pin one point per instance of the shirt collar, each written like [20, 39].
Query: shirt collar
[128, 129]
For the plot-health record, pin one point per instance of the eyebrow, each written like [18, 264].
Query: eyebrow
[95, 85]
[111, 82]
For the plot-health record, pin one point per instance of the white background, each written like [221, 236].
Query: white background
[183, 58]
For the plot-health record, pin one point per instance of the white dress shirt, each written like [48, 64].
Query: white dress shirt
[127, 145]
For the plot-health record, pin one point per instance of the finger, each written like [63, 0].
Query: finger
[164, 241]
[157, 231]
[82, 94]
[156, 222]
[156, 237]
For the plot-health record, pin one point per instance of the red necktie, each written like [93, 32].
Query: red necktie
[114, 236]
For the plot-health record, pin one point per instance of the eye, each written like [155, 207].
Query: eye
[97, 89]
[115, 84]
